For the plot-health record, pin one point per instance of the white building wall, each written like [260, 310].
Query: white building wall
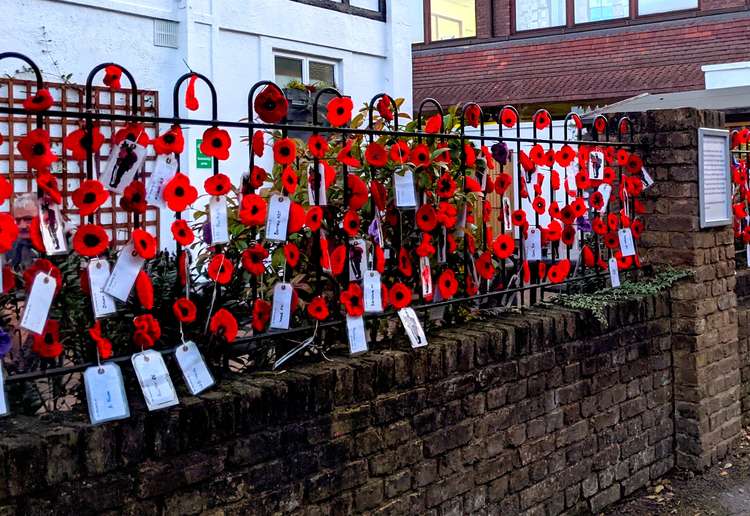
[230, 41]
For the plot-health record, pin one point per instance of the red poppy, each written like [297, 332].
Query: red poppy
[526, 162]
[171, 141]
[261, 314]
[379, 258]
[539, 205]
[6, 189]
[35, 234]
[612, 221]
[144, 243]
[425, 247]
[45, 266]
[542, 120]
[565, 156]
[257, 177]
[314, 218]
[42, 101]
[35, 149]
[147, 331]
[568, 235]
[559, 271]
[448, 284]
[637, 228]
[399, 296]
[472, 185]
[596, 201]
[578, 207]
[538, 155]
[318, 308]
[289, 180]
[318, 146]
[224, 325]
[79, 142]
[622, 157]
[420, 155]
[379, 194]
[133, 131]
[220, 269]
[216, 143]
[508, 117]
[376, 155]
[446, 186]
[144, 290]
[47, 345]
[357, 192]
[182, 233]
[191, 101]
[90, 240]
[184, 310]
[103, 345]
[351, 223]
[600, 125]
[183, 260]
[426, 217]
[404, 262]
[284, 151]
[399, 152]
[473, 115]
[291, 253]
[338, 260]
[271, 104]
[447, 214]
[635, 164]
[253, 210]
[503, 246]
[217, 184]
[112, 76]
[485, 267]
[47, 183]
[134, 198]
[588, 256]
[518, 217]
[433, 124]
[611, 240]
[598, 226]
[385, 108]
[345, 156]
[258, 144]
[502, 183]
[253, 259]
[296, 218]
[339, 111]
[633, 185]
[179, 193]
[352, 300]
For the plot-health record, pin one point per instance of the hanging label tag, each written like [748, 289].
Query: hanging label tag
[461, 222]
[282, 306]
[325, 253]
[606, 190]
[156, 384]
[322, 197]
[614, 273]
[278, 218]
[102, 303]
[355, 330]
[123, 164]
[425, 275]
[413, 327]
[627, 246]
[403, 188]
[217, 212]
[596, 165]
[38, 304]
[442, 249]
[357, 259]
[105, 393]
[52, 228]
[506, 213]
[164, 170]
[194, 369]
[647, 180]
[373, 292]
[533, 245]
[3, 394]
[123, 276]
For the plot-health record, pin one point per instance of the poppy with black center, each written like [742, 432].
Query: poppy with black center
[375, 155]
[518, 217]
[253, 258]
[317, 145]
[447, 284]
[635, 164]
[134, 198]
[217, 184]
[542, 120]
[284, 151]
[399, 296]
[220, 269]
[399, 152]
[473, 115]
[346, 155]
[485, 267]
[503, 246]
[257, 177]
[135, 132]
[41, 101]
[179, 193]
[261, 314]
[352, 300]
[144, 243]
[565, 156]
[385, 108]
[224, 325]
[271, 104]
[568, 235]
[404, 262]
[47, 184]
[446, 186]
[80, 142]
[35, 149]
[184, 310]
[539, 205]
[47, 345]
[90, 240]
[420, 155]
[216, 143]
[182, 233]
[596, 201]
[508, 117]
[611, 240]
[291, 253]
[289, 180]
[112, 76]
[358, 193]
[426, 217]
[314, 217]
[339, 111]
[171, 141]
[318, 308]
[351, 223]
[89, 196]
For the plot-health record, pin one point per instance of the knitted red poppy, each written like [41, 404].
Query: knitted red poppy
[318, 308]
[399, 152]
[284, 151]
[216, 143]
[184, 310]
[261, 314]
[352, 300]
[133, 131]
[170, 141]
[90, 240]
[144, 290]
[420, 155]
[134, 198]
[253, 259]
[289, 180]
[271, 104]
[399, 296]
[485, 267]
[79, 142]
[339, 111]
[179, 193]
[144, 243]
[346, 155]
[317, 145]
[426, 217]
[112, 76]
[508, 117]
[448, 284]
[224, 325]
[376, 155]
[503, 246]
[35, 149]
[217, 184]
[404, 262]
[220, 269]
[47, 345]
[351, 223]
[358, 194]
[41, 101]
[253, 210]
[291, 253]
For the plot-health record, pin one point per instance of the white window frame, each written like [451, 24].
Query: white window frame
[306, 58]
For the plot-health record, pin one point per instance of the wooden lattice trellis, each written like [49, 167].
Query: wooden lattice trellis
[71, 97]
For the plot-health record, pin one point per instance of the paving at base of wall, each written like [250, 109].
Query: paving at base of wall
[539, 412]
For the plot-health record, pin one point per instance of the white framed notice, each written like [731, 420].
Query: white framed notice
[714, 177]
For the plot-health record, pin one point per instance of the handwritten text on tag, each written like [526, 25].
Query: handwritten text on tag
[105, 393]
[102, 303]
[164, 170]
[194, 369]
[38, 304]
[533, 245]
[626, 242]
[355, 329]
[282, 306]
[278, 218]
[217, 210]
[123, 276]
[614, 272]
[403, 185]
[154, 379]
[373, 292]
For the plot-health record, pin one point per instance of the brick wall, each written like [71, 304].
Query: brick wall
[743, 318]
[542, 412]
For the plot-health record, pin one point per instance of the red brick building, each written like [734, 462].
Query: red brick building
[567, 53]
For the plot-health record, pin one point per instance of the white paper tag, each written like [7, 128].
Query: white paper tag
[122, 165]
[322, 194]
[52, 228]
[102, 303]
[403, 188]
[606, 190]
[357, 259]
[194, 369]
[217, 210]
[278, 218]
[105, 393]
[533, 245]
[647, 181]
[425, 276]
[355, 329]
[123, 276]
[413, 327]
[164, 170]
[627, 246]
[282, 306]
[596, 165]
[154, 379]
[373, 293]
[614, 273]
[38, 304]
[461, 221]
[3, 394]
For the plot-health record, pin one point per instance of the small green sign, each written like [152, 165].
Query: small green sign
[201, 160]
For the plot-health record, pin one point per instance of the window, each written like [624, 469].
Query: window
[539, 14]
[307, 70]
[451, 19]
[598, 10]
[663, 6]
